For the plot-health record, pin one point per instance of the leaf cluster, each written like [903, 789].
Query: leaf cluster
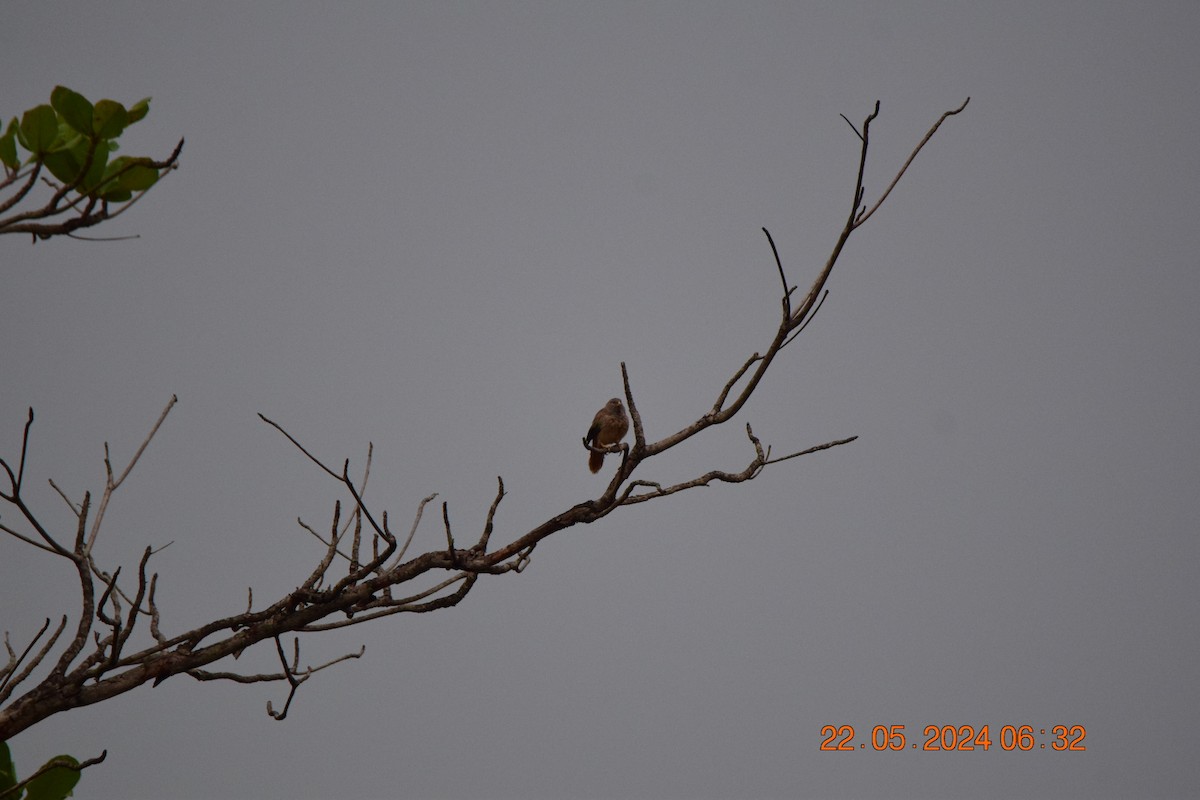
[74, 140]
[74, 137]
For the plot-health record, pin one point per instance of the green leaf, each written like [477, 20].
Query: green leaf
[109, 119]
[95, 173]
[126, 175]
[8, 148]
[116, 195]
[8, 773]
[68, 137]
[67, 158]
[63, 164]
[139, 178]
[74, 107]
[39, 129]
[139, 110]
[54, 784]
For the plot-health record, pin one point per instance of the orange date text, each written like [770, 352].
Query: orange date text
[955, 738]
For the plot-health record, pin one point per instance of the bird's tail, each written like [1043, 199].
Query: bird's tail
[595, 461]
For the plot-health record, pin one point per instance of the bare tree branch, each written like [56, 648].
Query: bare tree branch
[111, 485]
[7, 682]
[356, 586]
[865, 215]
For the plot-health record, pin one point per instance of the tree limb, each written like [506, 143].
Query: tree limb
[331, 598]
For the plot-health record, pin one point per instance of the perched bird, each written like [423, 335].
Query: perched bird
[608, 427]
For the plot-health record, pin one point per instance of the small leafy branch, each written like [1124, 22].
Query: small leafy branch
[69, 145]
[54, 780]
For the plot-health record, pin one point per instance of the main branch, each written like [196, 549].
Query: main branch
[363, 570]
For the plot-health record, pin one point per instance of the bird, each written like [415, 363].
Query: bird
[609, 426]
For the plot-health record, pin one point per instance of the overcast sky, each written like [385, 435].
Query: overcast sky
[440, 228]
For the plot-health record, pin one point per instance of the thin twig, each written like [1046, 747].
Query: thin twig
[112, 485]
[413, 530]
[481, 545]
[865, 215]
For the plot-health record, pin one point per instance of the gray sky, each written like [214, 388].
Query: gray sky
[440, 228]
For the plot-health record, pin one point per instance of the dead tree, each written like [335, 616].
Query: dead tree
[365, 570]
